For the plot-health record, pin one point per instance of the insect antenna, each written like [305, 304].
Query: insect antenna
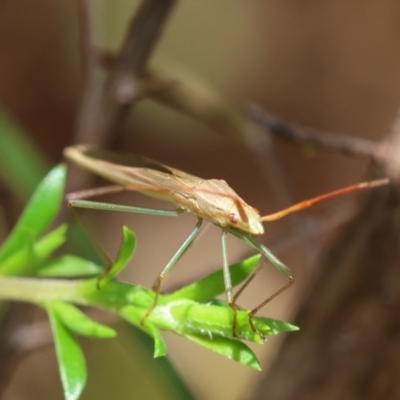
[310, 202]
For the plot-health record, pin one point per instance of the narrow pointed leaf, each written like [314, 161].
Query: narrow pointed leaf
[186, 317]
[71, 361]
[70, 266]
[213, 285]
[125, 253]
[22, 163]
[230, 348]
[37, 215]
[25, 261]
[78, 322]
[134, 316]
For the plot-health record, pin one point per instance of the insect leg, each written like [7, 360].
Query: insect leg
[76, 204]
[227, 280]
[171, 264]
[279, 265]
[96, 205]
[87, 193]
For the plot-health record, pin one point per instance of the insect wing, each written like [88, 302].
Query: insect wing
[134, 172]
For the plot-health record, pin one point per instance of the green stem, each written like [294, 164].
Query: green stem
[39, 290]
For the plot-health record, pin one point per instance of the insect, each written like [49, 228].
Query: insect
[211, 200]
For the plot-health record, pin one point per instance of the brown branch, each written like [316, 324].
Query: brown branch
[390, 151]
[281, 129]
[188, 96]
[123, 83]
[89, 106]
[103, 109]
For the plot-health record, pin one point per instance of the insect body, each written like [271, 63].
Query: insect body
[212, 200]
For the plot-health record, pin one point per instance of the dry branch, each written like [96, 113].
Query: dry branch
[348, 344]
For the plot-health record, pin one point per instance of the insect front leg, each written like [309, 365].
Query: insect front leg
[76, 202]
[171, 264]
[279, 265]
[87, 193]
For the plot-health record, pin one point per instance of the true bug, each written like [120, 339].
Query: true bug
[212, 200]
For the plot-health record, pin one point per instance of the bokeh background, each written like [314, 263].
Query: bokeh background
[330, 65]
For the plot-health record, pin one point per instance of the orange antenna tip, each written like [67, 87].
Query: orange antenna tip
[309, 203]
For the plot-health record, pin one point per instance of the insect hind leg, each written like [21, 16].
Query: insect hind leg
[279, 265]
[255, 310]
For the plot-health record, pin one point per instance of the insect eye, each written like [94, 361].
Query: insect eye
[233, 219]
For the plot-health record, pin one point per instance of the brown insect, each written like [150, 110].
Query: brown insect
[212, 200]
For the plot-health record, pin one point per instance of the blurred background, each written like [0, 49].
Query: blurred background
[330, 65]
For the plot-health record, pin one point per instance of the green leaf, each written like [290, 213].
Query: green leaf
[202, 323]
[230, 348]
[125, 253]
[22, 164]
[70, 266]
[213, 284]
[269, 326]
[71, 361]
[186, 317]
[134, 316]
[25, 261]
[37, 215]
[78, 322]
[160, 348]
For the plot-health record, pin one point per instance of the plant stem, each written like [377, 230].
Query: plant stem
[38, 290]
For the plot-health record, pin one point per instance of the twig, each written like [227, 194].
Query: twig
[102, 109]
[389, 154]
[123, 83]
[185, 94]
[89, 106]
[281, 129]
